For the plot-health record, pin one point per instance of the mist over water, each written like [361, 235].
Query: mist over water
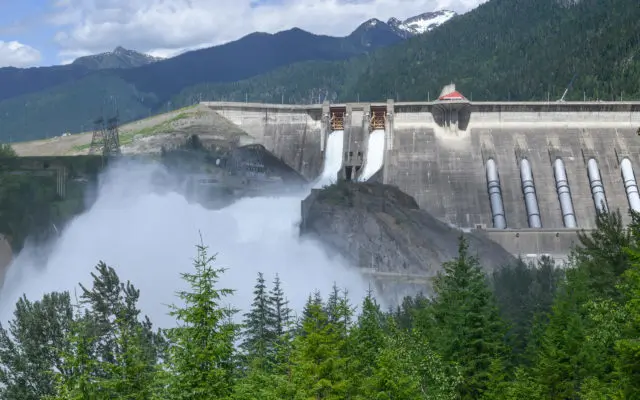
[149, 236]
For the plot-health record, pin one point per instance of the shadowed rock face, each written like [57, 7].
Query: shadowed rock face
[378, 226]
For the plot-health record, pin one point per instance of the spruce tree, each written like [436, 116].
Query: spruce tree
[467, 328]
[281, 313]
[259, 333]
[366, 340]
[201, 357]
[628, 347]
[318, 360]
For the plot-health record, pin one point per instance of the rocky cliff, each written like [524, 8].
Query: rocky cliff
[380, 228]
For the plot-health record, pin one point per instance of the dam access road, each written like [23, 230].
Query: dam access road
[530, 175]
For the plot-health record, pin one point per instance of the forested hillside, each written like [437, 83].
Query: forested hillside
[503, 50]
[526, 333]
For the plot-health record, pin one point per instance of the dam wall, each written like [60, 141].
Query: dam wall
[292, 133]
[441, 152]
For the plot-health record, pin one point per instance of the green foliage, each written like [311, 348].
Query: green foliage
[201, 354]
[465, 323]
[29, 349]
[7, 151]
[109, 349]
[503, 50]
[570, 337]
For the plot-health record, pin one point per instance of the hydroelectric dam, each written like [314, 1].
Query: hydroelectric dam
[530, 175]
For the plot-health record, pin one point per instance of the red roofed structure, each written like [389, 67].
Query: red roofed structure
[449, 93]
[452, 110]
[455, 95]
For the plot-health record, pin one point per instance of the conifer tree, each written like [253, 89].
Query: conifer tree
[30, 348]
[111, 300]
[628, 347]
[602, 255]
[467, 328]
[120, 348]
[259, 333]
[366, 340]
[319, 367]
[280, 308]
[83, 378]
[283, 322]
[201, 358]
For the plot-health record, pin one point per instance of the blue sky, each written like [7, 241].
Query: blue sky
[47, 32]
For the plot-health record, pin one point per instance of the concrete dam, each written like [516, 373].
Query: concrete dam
[530, 175]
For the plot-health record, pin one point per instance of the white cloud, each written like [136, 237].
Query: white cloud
[16, 54]
[167, 27]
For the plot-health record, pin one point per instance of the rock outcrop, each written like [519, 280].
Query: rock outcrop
[380, 228]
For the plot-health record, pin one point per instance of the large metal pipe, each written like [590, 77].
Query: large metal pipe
[495, 195]
[564, 194]
[597, 188]
[529, 191]
[630, 184]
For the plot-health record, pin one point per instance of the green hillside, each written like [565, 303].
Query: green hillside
[503, 50]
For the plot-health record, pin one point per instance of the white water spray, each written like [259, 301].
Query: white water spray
[375, 155]
[332, 159]
[150, 237]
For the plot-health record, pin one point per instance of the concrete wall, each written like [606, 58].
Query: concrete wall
[442, 164]
[293, 133]
[444, 168]
[355, 138]
[532, 243]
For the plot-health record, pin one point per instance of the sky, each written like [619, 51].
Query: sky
[51, 32]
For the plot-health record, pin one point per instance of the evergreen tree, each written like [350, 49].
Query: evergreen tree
[468, 329]
[523, 293]
[260, 331]
[83, 380]
[121, 349]
[601, 253]
[109, 301]
[628, 347]
[318, 359]
[201, 359]
[280, 308]
[565, 357]
[30, 348]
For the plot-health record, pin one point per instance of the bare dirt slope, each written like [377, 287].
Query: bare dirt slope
[148, 135]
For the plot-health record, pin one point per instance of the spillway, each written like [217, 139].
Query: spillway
[332, 159]
[375, 155]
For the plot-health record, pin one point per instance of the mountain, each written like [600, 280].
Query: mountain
[118, 58]
[45, 101]
[502, 50]
[420, 23]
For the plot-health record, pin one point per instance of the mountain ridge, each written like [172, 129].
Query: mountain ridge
[117, 58]
[22, 81]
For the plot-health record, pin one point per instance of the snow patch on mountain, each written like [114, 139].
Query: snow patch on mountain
[420, 23]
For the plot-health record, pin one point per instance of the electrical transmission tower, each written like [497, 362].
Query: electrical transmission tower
[106, 138]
